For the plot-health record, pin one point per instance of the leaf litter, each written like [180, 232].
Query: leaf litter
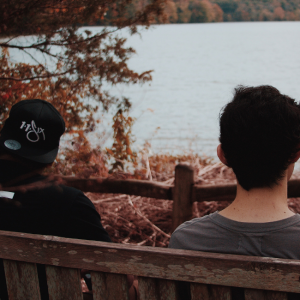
[147, 221]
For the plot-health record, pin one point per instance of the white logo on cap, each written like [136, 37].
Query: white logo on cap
[12, 144]
[32, 129]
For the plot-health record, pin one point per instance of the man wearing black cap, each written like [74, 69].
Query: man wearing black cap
[29, 143]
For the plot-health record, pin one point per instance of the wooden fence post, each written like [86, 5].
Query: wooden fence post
[182, 195]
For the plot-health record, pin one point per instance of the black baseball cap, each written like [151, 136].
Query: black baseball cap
[33, 130]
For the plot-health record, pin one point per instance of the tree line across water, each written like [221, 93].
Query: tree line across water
[203, 11]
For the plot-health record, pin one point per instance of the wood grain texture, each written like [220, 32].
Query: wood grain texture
[294, 188]
[227, 192]
[21, 280]
[167, 290]
[63, 283]
[251, 294]
[210, 292]
[157, 190]
[108, 286]
[172, 264]
[148, 288]
[199, 291]
[270, 295]
[182, 195]
[220, 292]
[142, 188]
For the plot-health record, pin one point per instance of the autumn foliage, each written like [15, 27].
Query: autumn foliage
[74, 68]
[69, 66]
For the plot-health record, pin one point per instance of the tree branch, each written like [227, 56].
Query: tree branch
[34, 59]
[50, 75]
[11, 39]
[33, 46]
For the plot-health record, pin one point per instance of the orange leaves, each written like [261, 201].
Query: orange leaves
[121, 148]
[68, 66]
[129, 152]
[198, 11]
[5, 96]
[79, 159]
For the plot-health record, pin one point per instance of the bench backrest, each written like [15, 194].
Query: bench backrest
[211, 275]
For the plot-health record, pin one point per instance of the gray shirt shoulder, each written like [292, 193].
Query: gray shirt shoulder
[215, 233]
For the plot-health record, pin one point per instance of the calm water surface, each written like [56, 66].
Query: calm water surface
[196, 67]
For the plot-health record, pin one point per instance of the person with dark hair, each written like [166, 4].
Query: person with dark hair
[260, 141]
[29, 143]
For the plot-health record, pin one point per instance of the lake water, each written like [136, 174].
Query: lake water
[196, 67]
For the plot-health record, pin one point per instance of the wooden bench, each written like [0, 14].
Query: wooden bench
[211, 275]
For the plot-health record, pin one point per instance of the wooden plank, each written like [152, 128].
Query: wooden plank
[222, 192]
[182, 195]
[63, 283]
[210, 292]
[227, 192]
[21, 280]
[173, 264]
[270, 295]
[220, 292]
[251, 294]
[142, 188]
[108, 286]
[167, 289]
[294, 188]
[157, 190]
[199, 291]
[148, 288]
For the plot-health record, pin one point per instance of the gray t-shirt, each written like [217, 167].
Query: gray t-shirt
[215, 233]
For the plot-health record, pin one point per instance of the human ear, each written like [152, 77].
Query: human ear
[296, 157]
[221, 155]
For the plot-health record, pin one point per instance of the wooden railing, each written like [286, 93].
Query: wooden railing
[183, 193]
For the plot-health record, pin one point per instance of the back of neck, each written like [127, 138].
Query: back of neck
[259, 205]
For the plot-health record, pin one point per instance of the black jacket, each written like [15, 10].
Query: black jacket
[50, 210]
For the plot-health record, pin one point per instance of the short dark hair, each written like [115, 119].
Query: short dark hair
[260, 135]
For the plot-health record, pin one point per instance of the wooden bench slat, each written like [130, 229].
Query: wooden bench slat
[270, 295]
[209, 292]
[109, 286]
[250, 272]
[167, 289]
[252, 294]
[199, 291]
[63, 283]
[218, 292]
[21, 280]
[148, 288]
[171, 264]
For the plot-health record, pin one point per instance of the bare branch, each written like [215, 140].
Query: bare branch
[34, 59]
[33, 46]
[49, 75]
[14, 37]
